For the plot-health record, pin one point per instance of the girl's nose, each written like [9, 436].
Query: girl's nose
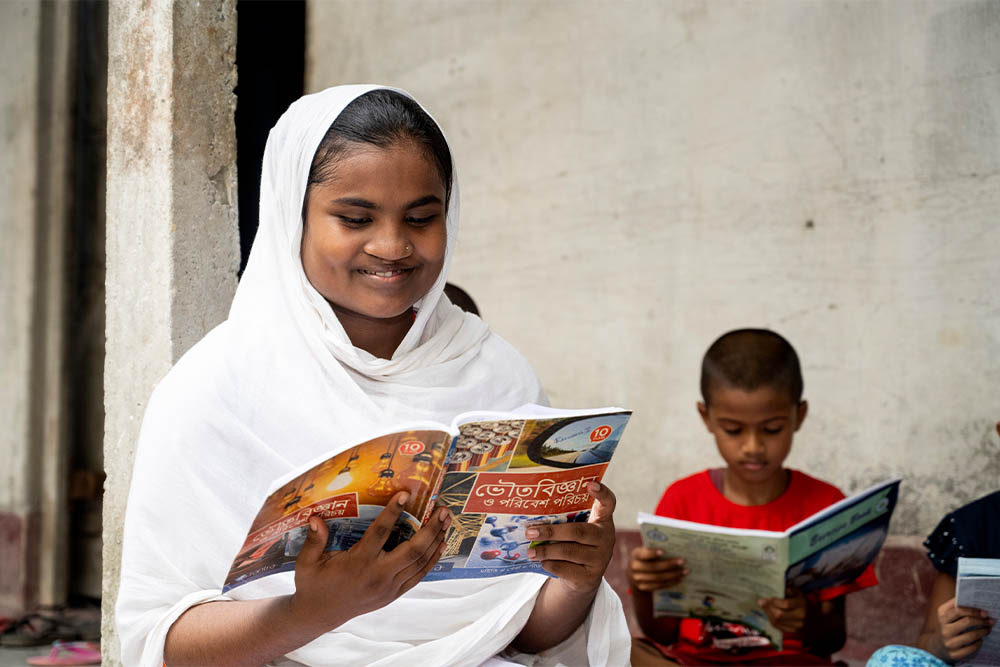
[389, 243]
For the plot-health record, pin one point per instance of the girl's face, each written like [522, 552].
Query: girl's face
[374, 236]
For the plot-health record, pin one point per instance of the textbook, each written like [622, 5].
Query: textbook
[496, 472]
[978, 586]
[732, 568]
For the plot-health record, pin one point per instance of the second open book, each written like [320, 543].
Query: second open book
[731, 569]
[496, 472]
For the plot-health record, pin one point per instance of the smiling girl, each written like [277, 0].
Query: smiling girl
[339, 327]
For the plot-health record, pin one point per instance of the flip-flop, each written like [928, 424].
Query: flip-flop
[70, 653]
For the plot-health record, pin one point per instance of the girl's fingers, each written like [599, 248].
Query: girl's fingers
[565, 570]
[415, 551]
[315, 542]
[571, 552]
[604, 503]
[583, 533]
[378, 532]
[414, 574]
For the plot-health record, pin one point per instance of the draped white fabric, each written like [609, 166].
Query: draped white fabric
[279, 383]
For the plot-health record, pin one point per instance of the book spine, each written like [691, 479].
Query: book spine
[436, 483]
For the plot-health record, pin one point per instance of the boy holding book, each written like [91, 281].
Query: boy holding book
[751, 385]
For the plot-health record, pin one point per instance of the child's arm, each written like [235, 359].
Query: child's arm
[821, 625]
[950, 632]
[648, 571]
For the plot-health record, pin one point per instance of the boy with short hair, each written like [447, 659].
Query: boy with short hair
[751, 386]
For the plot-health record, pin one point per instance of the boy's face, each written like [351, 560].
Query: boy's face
[753, 430]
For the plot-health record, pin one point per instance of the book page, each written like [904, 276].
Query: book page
[981, 591]
[347, 491]
[836, 545]
[504, 475]
[730, 571]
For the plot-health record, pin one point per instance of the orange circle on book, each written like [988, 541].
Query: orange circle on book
[600, 433]
[411, 447]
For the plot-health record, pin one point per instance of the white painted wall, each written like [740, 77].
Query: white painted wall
[637, 178]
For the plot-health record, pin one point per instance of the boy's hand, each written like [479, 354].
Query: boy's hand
[648, 570]
[962, 630]
[579, 553]
[787, 614]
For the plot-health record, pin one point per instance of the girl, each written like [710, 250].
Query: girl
[338, 328]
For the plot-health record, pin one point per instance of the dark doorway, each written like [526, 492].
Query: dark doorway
[270, 65]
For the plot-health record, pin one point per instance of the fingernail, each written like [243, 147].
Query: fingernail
[531, 554]
[443, 514]
[403, 498]
[760, 602]
[312, 526]
[659, 552]
[445, 523]
[594, 487]
[531, 532]
[679, 561]
[686, 572]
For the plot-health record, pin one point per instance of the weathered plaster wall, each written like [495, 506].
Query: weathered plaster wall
[18, 87]
[640, 177]
[34, 126]
[172, 243]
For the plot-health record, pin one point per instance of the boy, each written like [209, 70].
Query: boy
[751, 386]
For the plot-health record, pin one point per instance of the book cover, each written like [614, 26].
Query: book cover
[495, 472]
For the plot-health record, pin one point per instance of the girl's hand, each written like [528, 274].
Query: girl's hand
[649, 571]
[579, 553]
[962, 630]
[333, 587]
[787, 614]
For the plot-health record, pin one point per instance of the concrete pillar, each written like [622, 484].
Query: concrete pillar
[35, 47]
[172, 241]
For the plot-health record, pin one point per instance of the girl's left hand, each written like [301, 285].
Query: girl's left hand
[578, 553]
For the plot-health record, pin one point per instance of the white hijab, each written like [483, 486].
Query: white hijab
[275, 385]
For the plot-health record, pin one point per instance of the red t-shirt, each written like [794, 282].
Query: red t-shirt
[696, 498]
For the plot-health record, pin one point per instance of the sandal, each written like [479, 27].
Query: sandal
[70, 653]
[36, 629]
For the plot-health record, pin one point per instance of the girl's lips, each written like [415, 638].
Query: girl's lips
[387, 275]
[754, 465]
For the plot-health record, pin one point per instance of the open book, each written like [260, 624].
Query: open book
[733, 568]
[496, 472]
[978, 586]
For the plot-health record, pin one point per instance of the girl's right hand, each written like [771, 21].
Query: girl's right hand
[648, 570]
[333, 587]
[962, 630]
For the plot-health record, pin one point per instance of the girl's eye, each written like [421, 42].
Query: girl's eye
[772, 430]
[421, 220]
[354, 221]
[732, 431]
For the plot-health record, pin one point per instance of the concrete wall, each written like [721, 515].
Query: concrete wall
[640, 177]
[172, 242]
[34, 97]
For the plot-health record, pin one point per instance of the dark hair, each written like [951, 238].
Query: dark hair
[461, 298]
[381, 118]
[749, 359]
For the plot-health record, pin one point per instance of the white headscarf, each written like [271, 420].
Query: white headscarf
[279, 383]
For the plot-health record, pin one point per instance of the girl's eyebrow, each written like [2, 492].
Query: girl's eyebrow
[364, 203]
[428, 199]
[355, 201]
